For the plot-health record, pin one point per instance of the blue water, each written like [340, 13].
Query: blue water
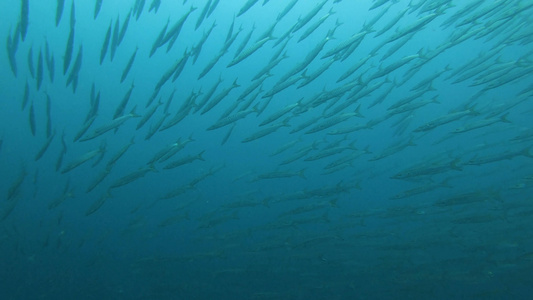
[345, 234]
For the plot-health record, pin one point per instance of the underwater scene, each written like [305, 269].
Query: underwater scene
[266, 149]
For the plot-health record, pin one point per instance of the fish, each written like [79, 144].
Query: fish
[356, 38]
[280, 113]
[346, 160]
[24, 14]
[311, 55]
[98, 203]
[201, 103]
[249, 51]
[50, 63]
[184, 160]
[133, 176]
[309, 208]
[266, 70]
[195, 52]
[172, 34]
[286, 10]
[354, 68]
[72, 16]
[82, 159]
[306, 123]
[285, 147]
[246, 7]
[468, 198]
[251, 99]
[177, 191]
[45, 146]
[32, 119]
[59, 11]
[155, 126]
[212, 8]
[105, 45]
[428, 169]
[244, 41]
[86, 125]
[164, 151]
[67, 57]
[507, 155]
[305, 19]
[138, 8]
[414, 26]
[453, 116]
[171, 72]
[114, 124]
[183, 112]
[25, 96]
[228, 134]
[392, 22]
[67, 193]
[411, 107]
[59, 161]
[386, 70]
[211, 64]
[39, 71]
[230, 41]
[181, 65]
[31, 66]
[154, 6]
[174, 219]
[231, 119]
[202, 15]
[266, 131]
[11, 47]
[14, 188]
[482, 123]
[169, 101]
[219, 220]
[334, 120]
[280, 86]
[119, 111]
[97, 7]
[422, 189]
[308, 78]
[394, 149]
[331, 152]
[74, 72]
[119, 154]
[315, 25]
[174, 149]
[123, 29]
[213, 102]
[114, 39]
[230, 109]
[148, 115]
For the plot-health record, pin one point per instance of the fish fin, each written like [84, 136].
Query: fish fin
[200, 155]
[504, 119]
[357, 112]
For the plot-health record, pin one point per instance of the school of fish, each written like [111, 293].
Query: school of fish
[296, 137]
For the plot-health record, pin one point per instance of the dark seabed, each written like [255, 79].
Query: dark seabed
[256, 149]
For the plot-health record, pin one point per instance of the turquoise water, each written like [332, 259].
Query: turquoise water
[409, 177]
